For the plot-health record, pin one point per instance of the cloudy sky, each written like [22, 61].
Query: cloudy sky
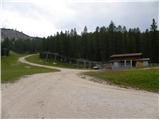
[46, 17]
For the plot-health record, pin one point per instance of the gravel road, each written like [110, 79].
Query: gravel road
[66, 94]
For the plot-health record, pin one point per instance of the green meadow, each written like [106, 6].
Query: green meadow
[12, 70]
[144, 79]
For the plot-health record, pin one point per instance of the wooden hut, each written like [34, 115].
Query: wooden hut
[128, 60]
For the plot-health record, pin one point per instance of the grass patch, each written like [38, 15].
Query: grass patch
[12, 69]
[147, 79]
[36, 59]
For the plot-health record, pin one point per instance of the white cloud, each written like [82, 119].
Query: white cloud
[46, 17]
[34, 17]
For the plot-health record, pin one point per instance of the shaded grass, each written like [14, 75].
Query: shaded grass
[35, 59]
[145, 79]
[12, 69]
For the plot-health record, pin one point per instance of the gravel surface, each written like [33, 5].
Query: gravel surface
[65, 94]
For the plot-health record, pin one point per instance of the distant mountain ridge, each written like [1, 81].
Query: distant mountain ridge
[13, 34]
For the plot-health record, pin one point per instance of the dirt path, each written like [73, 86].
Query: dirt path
[65, 94]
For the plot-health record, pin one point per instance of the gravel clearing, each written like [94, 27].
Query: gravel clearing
[65, 94]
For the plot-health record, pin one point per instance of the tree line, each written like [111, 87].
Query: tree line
[97, 46]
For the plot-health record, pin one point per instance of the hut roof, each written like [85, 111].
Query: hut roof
[126, 55]
[143, 59]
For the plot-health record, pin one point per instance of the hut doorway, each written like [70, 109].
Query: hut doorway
[134, 63]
